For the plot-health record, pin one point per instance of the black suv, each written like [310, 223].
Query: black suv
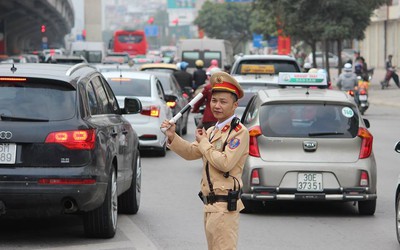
[65, 146]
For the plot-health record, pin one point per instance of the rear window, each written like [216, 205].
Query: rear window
[130, 38]
[35, 100]
[266, 67]
[130, 87]
[308, 120]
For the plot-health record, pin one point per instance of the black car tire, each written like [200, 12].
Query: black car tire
[250, 206]
[163, 151]
[129, 201]
[367, 207]
[102, 222]
[184, 130]
[179, 128]
[398, 217]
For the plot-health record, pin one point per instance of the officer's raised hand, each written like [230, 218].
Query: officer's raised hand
[200, 134]
[170, 132]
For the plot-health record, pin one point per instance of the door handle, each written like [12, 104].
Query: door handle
[124, 132]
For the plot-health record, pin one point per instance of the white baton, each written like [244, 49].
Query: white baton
[185, 109]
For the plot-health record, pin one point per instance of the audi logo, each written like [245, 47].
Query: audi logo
[5, 135]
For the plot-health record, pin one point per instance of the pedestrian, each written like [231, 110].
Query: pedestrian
[208, 118]
[347, 79]
[224, 149]
[390, 72]
[184, 78]
[199, 75]
[306, 67]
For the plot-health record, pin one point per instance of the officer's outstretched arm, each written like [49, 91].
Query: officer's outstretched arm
[185, 149]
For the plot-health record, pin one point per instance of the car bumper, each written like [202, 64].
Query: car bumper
[22, 189]
[150, 135]
[259, 193]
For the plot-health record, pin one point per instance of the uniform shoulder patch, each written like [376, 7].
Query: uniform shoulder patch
[234, 143]
[225, 128]
[238, 127]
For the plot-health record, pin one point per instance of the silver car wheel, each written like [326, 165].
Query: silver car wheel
[114, 200]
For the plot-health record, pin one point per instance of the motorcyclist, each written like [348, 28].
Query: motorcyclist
[214, 64]
[199, 75]
[347, 79]
[184, 78]
[208, 118]
[306, 67]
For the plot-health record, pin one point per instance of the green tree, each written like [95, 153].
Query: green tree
[316, 20]
[229, 21]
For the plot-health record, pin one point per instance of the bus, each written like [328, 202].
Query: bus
[131, 41]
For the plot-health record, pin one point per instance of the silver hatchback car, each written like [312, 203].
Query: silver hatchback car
[308, 144]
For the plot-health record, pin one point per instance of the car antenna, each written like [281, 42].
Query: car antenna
[13, 68]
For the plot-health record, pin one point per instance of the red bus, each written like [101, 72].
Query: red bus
[131, 41]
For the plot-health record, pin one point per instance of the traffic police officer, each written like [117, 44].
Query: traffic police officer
[224, 149]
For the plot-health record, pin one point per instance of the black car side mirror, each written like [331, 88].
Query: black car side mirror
[397, 147]
[132, 106]
[366, 122]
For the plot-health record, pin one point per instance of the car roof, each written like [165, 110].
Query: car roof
[266, 57]
[304, 94]
[159, 66]
[61, 72]
[130, 74]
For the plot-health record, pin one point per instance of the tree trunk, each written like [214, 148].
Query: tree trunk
[314, 50]
[327, 59]
[339, 51]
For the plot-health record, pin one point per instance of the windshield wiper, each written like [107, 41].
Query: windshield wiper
[325, 133]
[27, 119]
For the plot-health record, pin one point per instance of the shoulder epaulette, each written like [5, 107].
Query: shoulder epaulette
[238, 127]
[225, 128]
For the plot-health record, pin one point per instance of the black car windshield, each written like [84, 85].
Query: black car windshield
[130, 86]
[25, 100]
[308, 120]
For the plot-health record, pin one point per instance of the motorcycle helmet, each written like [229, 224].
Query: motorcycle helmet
[347, 67]
[184, 65]
[199, 63]
[213, 70]
[214, 62]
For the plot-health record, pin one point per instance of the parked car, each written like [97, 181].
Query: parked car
[397, 199]
[320, 60]
[65, 145]
[178, 99]
[308, 144]
[149, 90]
[264, 65]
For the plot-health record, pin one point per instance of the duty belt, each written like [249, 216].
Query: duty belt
[211, 199]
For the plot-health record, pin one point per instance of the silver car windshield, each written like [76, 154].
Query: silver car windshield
[130, 87]
[308, 120]
[36, 101]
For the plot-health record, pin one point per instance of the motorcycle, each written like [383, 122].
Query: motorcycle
[360, 94]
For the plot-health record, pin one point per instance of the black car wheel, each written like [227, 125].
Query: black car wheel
[398, 217]
[129, 201]
[102, 222]
[184, 130]
[250, 206]
[163, 150]
[367, 207]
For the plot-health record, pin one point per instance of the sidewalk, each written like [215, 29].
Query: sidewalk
[388, 96]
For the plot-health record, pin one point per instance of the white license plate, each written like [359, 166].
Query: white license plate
[362, 97]
[7, 153]
[309, 182]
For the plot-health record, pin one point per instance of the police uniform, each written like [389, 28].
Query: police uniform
[225, 152]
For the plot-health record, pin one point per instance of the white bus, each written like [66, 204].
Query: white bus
[189, 50]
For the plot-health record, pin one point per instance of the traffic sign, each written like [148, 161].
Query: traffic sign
[151, 30]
